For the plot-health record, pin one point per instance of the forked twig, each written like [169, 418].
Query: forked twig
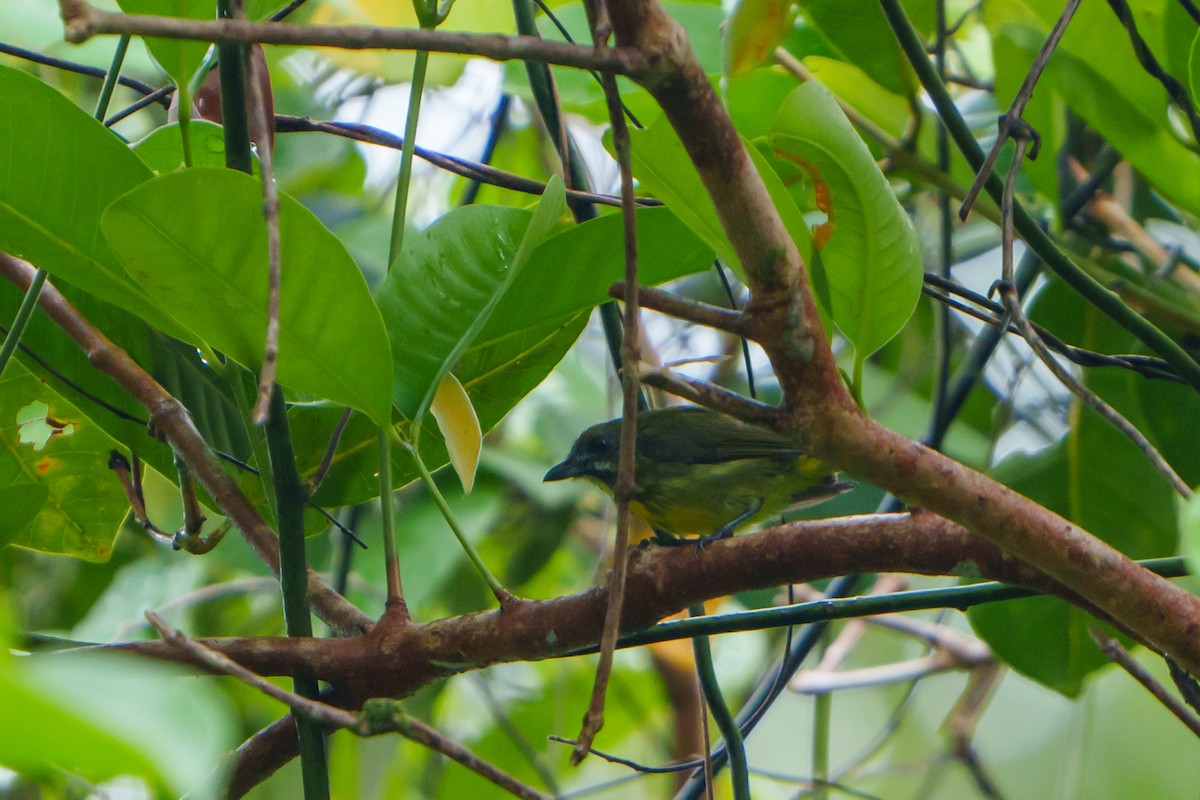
[1011, 124]
[1012, 304]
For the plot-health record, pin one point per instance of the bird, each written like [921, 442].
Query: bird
[702, 473]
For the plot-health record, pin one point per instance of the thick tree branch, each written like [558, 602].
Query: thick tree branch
[82, 22]
[819, 410]
[171, 420]
[661, 582]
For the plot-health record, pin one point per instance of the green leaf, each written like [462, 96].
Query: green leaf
[1098, 480]
[1096, 75]
[532, 327]
[104, 715]
[858, 31]
[19, 505]
[1170, 411]
[495, 373]
[546, 291]
[446, 283]
[49, 444]
[179, 58]
[872, 259]
[60, 170]
[888, 110]
[162, 149]
[794, 221]
[178, 367]
[663, 168]
[197, 240]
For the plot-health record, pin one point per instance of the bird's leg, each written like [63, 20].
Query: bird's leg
[726, 530]
[668, 539]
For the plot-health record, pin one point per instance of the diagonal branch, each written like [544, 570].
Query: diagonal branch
[819, 411]
[170, 419]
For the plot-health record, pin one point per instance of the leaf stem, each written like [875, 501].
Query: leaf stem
[293, 580]
[498, 590]
[15, 331]
[738, 770]
[387, 517]
[822, 715]
[185, 120]
[111, 77]
[400, 210]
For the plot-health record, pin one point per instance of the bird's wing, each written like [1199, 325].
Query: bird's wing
[707, 437]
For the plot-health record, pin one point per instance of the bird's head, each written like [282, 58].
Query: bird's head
[594, 455]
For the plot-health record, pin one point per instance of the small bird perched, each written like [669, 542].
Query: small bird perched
[700, 472]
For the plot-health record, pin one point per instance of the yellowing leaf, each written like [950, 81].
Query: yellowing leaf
[755, 28]
[460, 428]
[471, 16]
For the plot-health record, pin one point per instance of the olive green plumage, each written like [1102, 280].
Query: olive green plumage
[702, 473]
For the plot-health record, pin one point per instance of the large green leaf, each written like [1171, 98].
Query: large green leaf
[179, 58]
[858, 31]
[56, 359]
[20, 504]
[99, 716]
[545, 291]
[1095, 73]
[496, 374]
[48, 443]
[662, 166]
[872, 260]
[162, 149]
[196, 239]
[60, 169]
[447, 282]
[533, 326]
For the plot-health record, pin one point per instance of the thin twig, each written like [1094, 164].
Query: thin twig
[694, 311]
[630, 357]
[378, 717]
[707, 394]
[709, 772]
[314, 481]
[472, 170]
[222, 664]
[1013, 305]
[1010, 121]
[82, 22]
[1113, 650]
[76, 67]
[1177, 91]
[266, 378]
[1146, 366]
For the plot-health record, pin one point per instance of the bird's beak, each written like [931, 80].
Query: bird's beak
[567, 469]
